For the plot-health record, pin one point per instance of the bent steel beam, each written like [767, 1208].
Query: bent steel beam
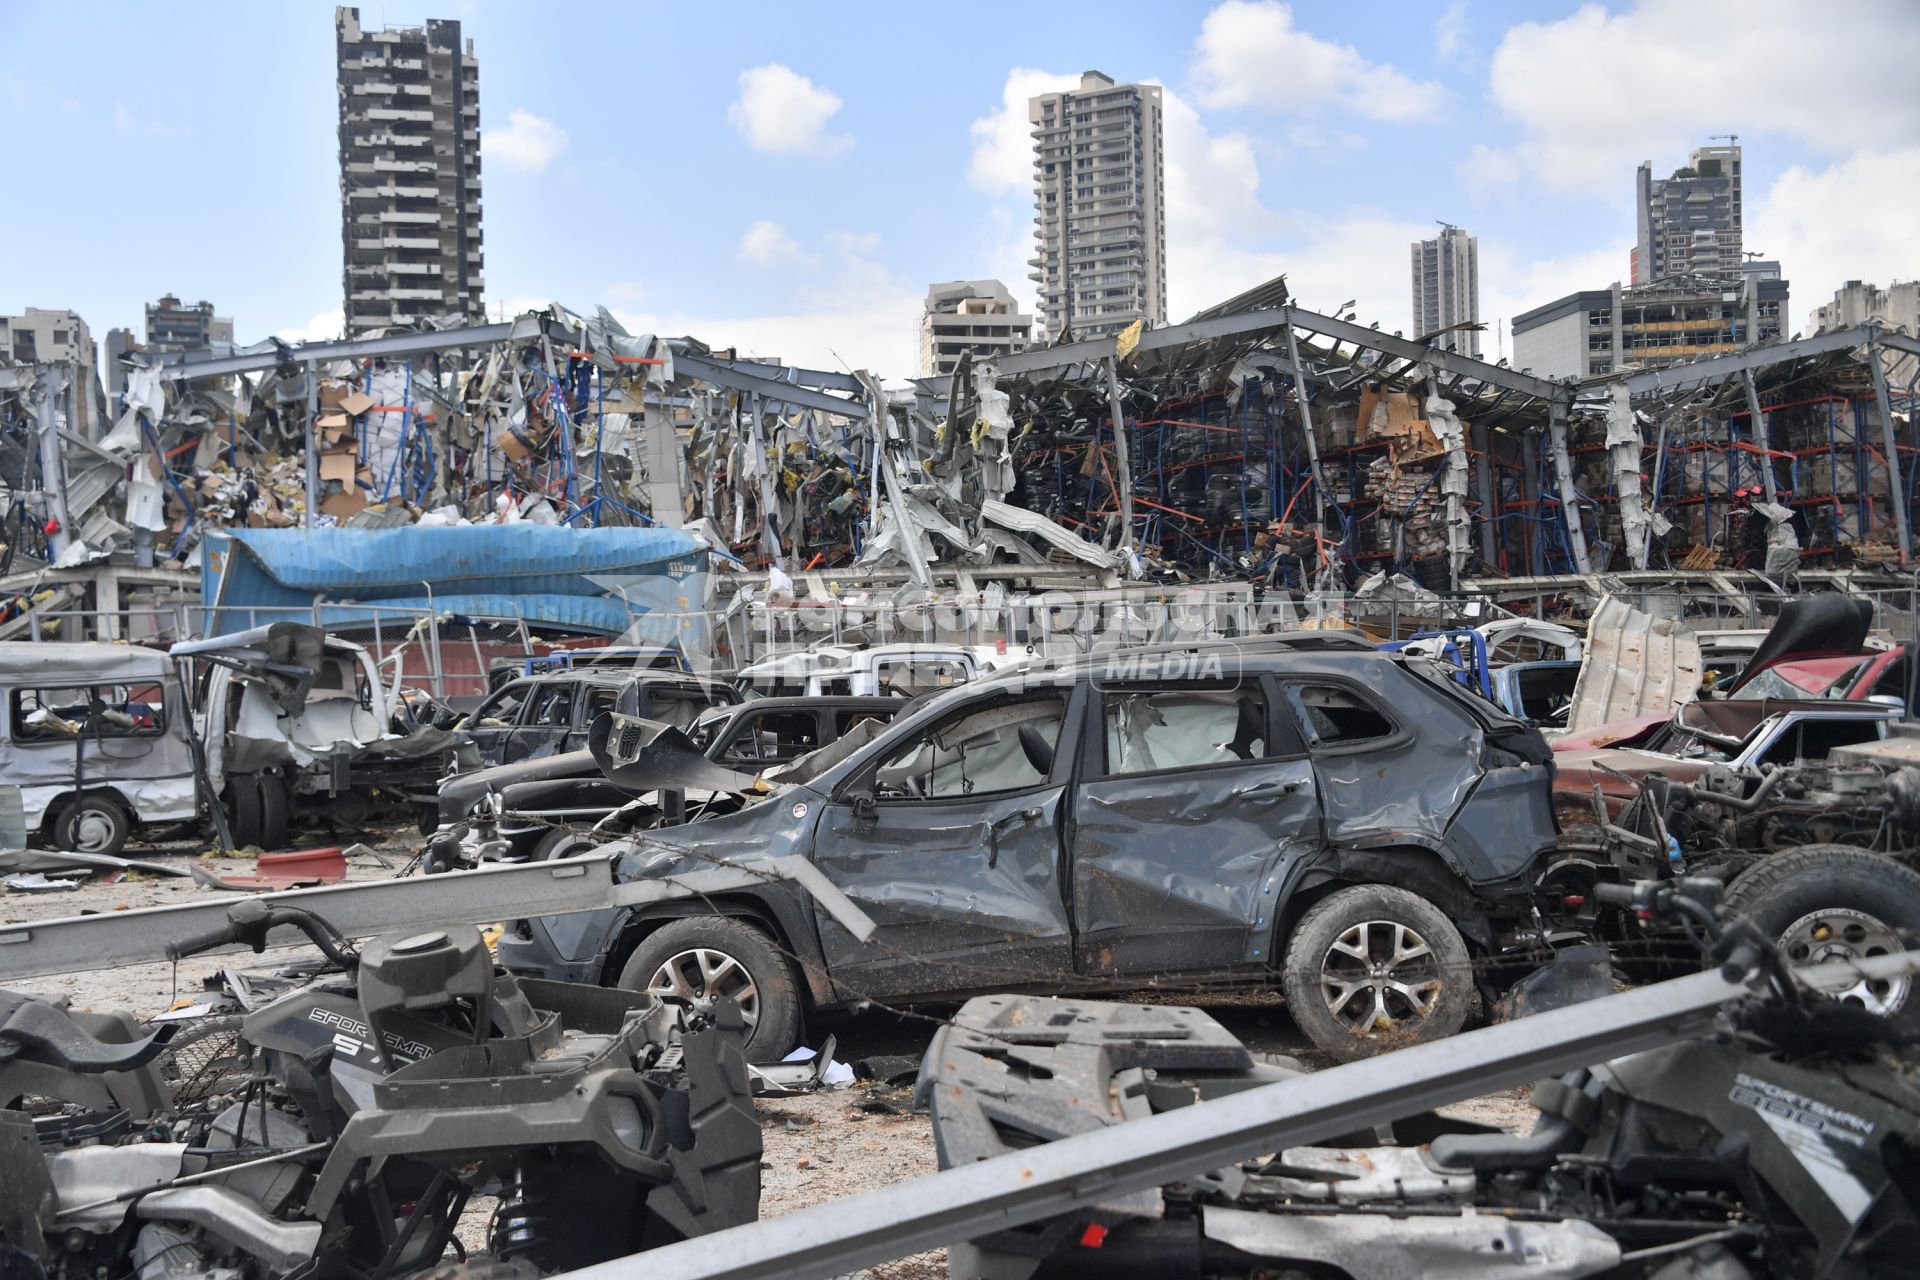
[1896, 486]
[764, 381]
[1569, 497]
[186, 366]
[1696, 374]
[1252, 322]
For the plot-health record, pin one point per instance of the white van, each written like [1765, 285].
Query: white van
[903, 669]
[95, 737]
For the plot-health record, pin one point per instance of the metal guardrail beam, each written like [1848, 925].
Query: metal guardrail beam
[764, 381]
[361, 909]
[1025, 1186]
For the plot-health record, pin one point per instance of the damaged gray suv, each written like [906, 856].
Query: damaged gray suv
[1350, 822]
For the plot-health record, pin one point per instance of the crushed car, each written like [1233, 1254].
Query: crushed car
[548, 807]
[291, 716]
[551, 714]
[1740, 736]
[1305, 812]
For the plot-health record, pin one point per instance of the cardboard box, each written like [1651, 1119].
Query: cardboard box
[344, 504]
[338, 466]
[516, 449]
[356, 403]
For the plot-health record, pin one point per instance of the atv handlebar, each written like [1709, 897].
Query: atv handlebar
[1693, 903]
[249, 923]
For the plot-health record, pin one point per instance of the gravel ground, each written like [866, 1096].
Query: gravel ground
[819, 1147]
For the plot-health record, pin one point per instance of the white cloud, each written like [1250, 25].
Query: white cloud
[1598, 92]
[527, 143]
[1450, 29]
[1487, 166]
[1002, 160]
[128, 124]
[765, 243]
[327, 326]
[1250, 54]
[1511, 285]
[781, 110]
[1851, 221]
[853, 313]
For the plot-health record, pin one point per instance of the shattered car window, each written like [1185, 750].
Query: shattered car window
[599, 702]
[553, 708]
[1336, 716]
[97, 711]
[1183, 728]
[677, 709]
[1814, 739]
[911, 678]
[503, 708]
[1004, 747]
[772, 738]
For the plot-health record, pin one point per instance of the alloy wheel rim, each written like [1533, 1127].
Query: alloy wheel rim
[1379, 975]
[698, 975]
[1843, 934]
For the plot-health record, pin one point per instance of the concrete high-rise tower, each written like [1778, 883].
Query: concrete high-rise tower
[1689, 224]
[1100, 213]
[409, 174]
[1446, 288]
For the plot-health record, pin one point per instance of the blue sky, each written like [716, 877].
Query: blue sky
[790, 177]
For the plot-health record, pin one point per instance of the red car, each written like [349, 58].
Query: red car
[1853, 678]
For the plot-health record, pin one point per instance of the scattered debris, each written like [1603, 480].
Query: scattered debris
[280, 871]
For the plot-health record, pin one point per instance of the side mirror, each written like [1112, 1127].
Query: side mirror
[863, 804]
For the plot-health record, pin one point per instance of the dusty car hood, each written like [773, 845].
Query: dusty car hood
[1605, 735]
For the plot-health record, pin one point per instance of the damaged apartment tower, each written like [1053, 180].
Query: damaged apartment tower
[409, 175]
[1101, 212]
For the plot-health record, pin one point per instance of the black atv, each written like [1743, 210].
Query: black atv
[357, 1115]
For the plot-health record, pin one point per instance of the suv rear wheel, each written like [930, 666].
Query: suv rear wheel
[692, 961]
[1373, 968]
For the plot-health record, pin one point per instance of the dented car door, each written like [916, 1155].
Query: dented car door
[1194, 794]
[950, 841]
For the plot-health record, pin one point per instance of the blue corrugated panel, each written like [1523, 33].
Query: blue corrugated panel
[548, 576]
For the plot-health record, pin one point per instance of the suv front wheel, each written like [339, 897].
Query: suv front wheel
[1373, 968]
[692, 961]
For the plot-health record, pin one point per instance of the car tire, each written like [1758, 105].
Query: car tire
[747, 963]
[243, 810]
[93, 824]
[1835, 901]
[561, 842]
[1351, 1010]
[274, 803]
